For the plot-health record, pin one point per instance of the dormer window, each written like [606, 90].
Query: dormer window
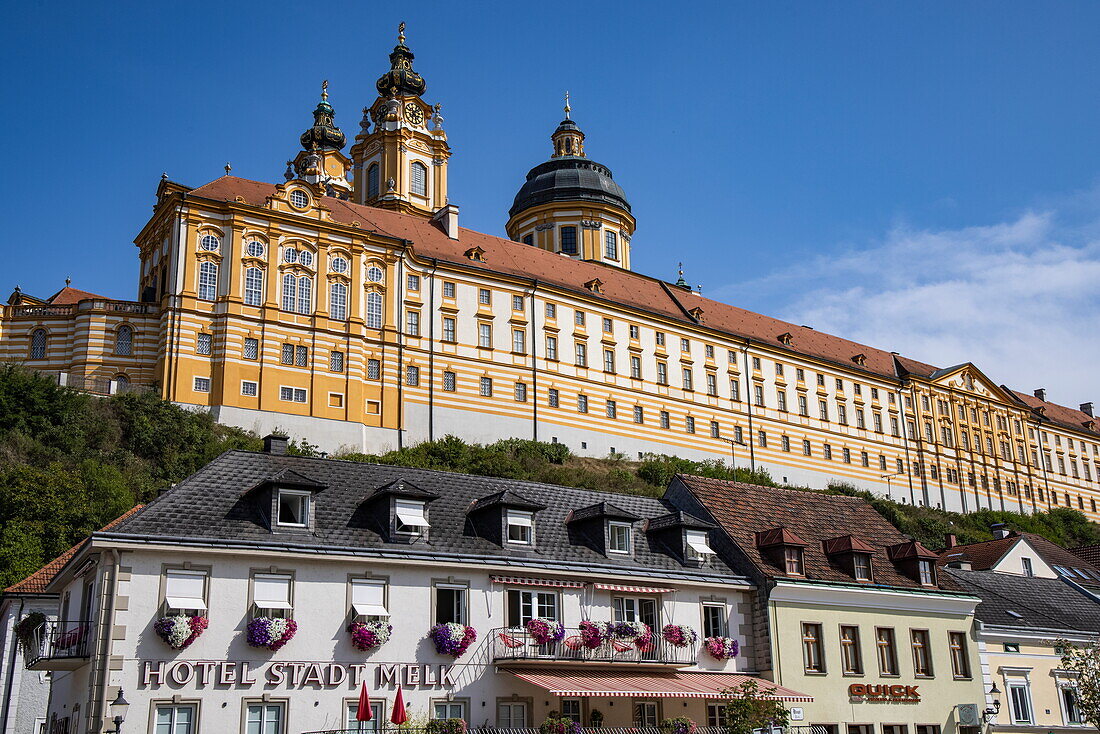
[619, 537]
[792, 561]
[293, 508]
[927, 572]
[409, 517]
[698, 549]
[368, 598]
[271, 595]
[521, 527]
[185, 591]
[861, 566]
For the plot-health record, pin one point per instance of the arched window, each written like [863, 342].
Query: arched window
[253, 286]
[124, 341]
[305, 294]
[374, 310]
[38, 344]
[290, 291]
[372, 180]
[208, 281]
[121, 383]
[338, 301]
[419, 179]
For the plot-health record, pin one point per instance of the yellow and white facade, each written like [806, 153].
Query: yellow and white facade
[347, 306]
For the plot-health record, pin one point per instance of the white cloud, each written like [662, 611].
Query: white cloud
[1019, 299]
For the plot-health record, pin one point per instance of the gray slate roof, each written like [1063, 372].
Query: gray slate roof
[1030, 603]
[213, 506]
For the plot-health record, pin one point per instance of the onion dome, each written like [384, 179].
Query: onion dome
[569, 176]
[324, 135]
[401, 76]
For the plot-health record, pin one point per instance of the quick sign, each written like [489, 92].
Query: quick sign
[157, 673]
[884, 692]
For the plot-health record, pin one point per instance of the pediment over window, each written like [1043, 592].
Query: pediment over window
[966, 377]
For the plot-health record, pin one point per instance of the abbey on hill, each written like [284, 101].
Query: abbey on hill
[345, 304]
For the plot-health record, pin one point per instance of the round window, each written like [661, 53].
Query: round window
[339, 265]
[255, 248]
[210, 242]
[305, 258]
[299, 199]
[374, 274]
[290, 255]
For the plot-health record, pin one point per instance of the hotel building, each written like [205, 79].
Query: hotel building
[346, 305]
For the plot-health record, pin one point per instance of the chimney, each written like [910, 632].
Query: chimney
[1041, 393]
[275, 444]
[1000, 530]
[959, 561]
[951, 539]
[447, 218]
[1086, 408]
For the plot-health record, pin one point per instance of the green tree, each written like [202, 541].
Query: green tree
[750, 708]
[1085, 661]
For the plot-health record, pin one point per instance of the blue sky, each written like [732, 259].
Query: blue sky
[921, 176]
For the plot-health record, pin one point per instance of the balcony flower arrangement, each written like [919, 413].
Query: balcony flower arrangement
[545, 631]
[26, 627]
[446, 726]
[721, 648]
[452, 639]
[678, 725]
[593, 634]
[679, 635]
[180, 630]
[367, 636]
[271, 632]
[557, 724]
[631, 631]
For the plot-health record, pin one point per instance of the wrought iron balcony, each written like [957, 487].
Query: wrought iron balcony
[59, 645]
[517, 644]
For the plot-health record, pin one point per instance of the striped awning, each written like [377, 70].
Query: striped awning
[521, 581]
[633, 589]
[659, 685]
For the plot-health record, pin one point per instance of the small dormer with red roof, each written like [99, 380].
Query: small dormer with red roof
[783, 548]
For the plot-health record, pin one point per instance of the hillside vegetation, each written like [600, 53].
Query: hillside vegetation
[70, 463]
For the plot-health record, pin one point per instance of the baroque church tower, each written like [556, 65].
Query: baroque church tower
[321, 162]
[571, 204]
[401, 163]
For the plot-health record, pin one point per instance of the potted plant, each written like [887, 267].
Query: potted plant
[446, 726]
[544, 631]
[367, 636]
[179, 630]
[593, 634]
[721, 648]
[679, 635]
[556, 724]
[596, 717]
[451, 638]
[630, 631]
[678, 725]
[271, 632]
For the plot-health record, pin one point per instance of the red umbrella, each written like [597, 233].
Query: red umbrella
[399, 716]
[363, 713]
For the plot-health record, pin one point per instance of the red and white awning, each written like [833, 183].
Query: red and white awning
[521, 581]
[658, 685]
[633, 589]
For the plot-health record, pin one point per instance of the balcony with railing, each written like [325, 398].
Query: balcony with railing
[58, 645]
[519, 645]
[41, 310]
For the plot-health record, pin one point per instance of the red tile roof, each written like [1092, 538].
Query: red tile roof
[1088, 553]
[37, 582]
[742, 510]
[984, 556]
[619, 286]
[1060, 414]
[68, 295]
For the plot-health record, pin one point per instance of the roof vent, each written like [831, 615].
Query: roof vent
[786, 338]
[447, 218]
[275, 444]
[476, 254]
[1041, 393]
[1086, 408]
[595, 285]
[860, 359]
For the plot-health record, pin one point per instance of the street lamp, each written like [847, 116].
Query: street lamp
[992, 711]
[119, 707]
[733, 454]
[888, 477]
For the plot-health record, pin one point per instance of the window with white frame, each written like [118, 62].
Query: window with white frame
[697, 546]
[204, 344]
[124, 341]
[338, 301]
[524, 605]
[253, 286]
[174, 719]
[293, 508]
[265, 718]
[1019, 698]
[619, 537]
[185, 590]
[208, 281]
[714, 619]
[1071, 705]
[419, 180]
[290, 291]
[336, 361]
[372, 180]
[374, 369]
[368, 598]
[201, 384]
[352, 722]
[410, 517]
[249, 388]
[305, 294]
[38, 344]
[520, 527]
[292, 394]
[374, 310]
[448, 709]
[450, 603]
[210, 243]
[271, 594]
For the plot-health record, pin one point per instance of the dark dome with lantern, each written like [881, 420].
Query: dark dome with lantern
[324, 135]
[401, 79]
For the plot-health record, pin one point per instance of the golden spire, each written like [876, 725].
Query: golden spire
[568, 109]
[324, 90]
[401, 33]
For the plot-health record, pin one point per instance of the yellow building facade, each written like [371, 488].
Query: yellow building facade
[347, 306]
